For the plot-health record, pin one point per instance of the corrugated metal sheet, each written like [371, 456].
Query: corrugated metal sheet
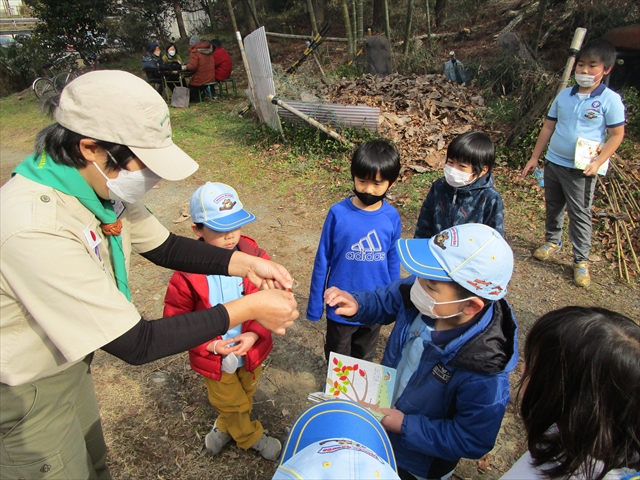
[257, 51]
[334, 114]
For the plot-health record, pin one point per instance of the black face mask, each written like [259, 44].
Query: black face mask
[369, 199]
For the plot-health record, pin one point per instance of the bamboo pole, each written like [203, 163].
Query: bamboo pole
[249, 76]
[576, 43]
[312, 16]
[360, 21]
[407, 31]
[305, 37]
[387, 28]
[347, 26]
[426, 5]
[312, 121]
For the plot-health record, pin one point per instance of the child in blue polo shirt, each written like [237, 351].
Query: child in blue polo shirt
[453, 344]
[588, 110]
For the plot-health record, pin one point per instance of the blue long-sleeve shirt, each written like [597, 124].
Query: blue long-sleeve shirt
[356, 251]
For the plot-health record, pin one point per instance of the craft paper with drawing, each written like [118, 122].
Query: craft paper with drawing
[366, 383]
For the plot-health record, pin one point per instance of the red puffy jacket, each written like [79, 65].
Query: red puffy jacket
[224, 64]
[188, 292]
[202, 64]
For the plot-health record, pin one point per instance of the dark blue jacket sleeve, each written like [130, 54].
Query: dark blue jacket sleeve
[321, 267]
[381, 305]
[425, 219]
[494, 212]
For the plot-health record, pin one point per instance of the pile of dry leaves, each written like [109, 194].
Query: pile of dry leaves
[420, 113]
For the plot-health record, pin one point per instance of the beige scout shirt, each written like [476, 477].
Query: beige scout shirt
[58, 297]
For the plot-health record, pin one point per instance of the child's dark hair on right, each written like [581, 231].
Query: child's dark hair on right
[599, 49]
[373, 157]
[581, 392]
[474, 148]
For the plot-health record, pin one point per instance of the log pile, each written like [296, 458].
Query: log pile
[420, 113]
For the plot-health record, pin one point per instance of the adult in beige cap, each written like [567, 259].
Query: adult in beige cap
[69, 219]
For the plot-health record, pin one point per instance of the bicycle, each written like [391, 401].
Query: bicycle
[45, 87]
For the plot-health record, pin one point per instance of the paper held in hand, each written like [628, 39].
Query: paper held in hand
[368, 384]
[586, 152]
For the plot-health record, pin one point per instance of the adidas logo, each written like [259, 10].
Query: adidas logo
[368, 249]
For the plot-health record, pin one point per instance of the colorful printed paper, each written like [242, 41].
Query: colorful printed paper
[586, 152]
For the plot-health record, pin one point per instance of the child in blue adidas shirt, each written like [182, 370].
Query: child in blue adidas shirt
[357, 247]
[588, 110]
[466, 193]
[453, 344]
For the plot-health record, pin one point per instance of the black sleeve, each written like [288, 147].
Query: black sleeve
[150, 340]
[192, 256]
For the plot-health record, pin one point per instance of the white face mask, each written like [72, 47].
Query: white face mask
[129, 186]
[457, 178]
[425, 302]
[585, 80]
[230, 363]
[171, 53]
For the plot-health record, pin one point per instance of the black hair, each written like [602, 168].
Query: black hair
[599, 49]
[63, 145]
[462, 293]
[474, 148]
[171, 45]
[581, 392]
[215, 43]
[373, 157]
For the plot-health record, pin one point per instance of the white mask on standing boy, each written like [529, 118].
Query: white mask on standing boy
[457, 178]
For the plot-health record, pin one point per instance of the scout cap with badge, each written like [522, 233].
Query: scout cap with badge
[337, 439]
[218, 207]
[473, 255]
[119, 107]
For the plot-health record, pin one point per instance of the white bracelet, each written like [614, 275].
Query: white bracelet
[214, 347]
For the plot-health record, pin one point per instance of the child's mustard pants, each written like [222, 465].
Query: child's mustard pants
[232, 397]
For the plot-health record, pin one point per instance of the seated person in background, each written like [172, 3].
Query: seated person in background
[171, 60]
[580, 397]
[224, 65]
[202, 64]
[151, 65]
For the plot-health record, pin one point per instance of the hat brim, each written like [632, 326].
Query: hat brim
[338, 419]
[170, 163]
[416, 256]
[231, 222]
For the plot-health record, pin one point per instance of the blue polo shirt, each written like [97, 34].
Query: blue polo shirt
[587, 118]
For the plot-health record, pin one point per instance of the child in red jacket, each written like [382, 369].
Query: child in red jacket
[233, 363]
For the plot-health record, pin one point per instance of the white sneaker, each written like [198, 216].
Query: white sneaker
[215, 440]
[268, 447]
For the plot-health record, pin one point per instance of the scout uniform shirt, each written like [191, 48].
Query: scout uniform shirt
[58, 296]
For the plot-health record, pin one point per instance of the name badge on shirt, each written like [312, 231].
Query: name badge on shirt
[118, 207]
[442, 374]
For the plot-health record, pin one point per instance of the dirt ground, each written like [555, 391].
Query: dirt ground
[155, 416]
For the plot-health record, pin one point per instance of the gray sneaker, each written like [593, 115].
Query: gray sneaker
[215, 440]
[268, 447]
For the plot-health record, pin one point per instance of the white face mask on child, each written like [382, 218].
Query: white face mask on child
[425, 302]
[457, 178]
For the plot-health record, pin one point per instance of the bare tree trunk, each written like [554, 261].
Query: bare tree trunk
[312, 16]
[254, 12]
[232, 15]
[212, 16]
[248, 17]
[407, 31]
[179, 19]
[440, 8]
[360, 21]
[542, 10]
[426, 5]
[347, 24]
[378, 15]
[387, 28]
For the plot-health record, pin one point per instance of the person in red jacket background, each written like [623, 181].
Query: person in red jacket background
[201, 63]
[224, 65]
[232, 363]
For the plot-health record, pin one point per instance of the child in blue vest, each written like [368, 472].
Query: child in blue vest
[453, 344]
[357, 247]
[466, 193]
[589, 110]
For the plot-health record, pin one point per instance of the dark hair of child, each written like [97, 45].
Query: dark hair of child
[581, 400]
[215, 43]
[599, 49]
[373, 157]
[474, 148]
[462, 293]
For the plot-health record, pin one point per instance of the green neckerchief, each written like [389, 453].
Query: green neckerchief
[68, 180]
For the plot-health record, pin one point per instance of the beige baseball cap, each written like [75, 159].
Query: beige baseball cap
[118, 107]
